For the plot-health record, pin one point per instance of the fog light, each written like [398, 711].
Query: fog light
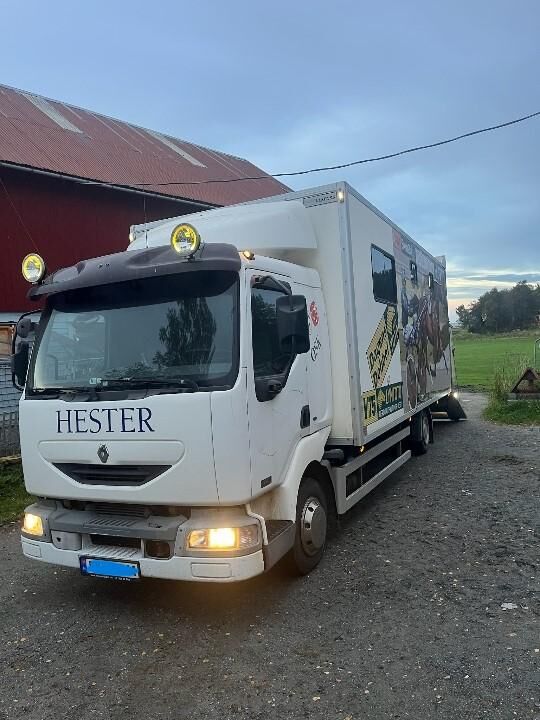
[33, 525]
[226, 538]
[159, 549]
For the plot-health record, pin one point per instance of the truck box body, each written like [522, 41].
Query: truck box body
[390, 356]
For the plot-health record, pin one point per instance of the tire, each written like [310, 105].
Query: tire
[420, 432]
[311, 527]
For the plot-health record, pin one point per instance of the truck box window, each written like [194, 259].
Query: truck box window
[383, 269]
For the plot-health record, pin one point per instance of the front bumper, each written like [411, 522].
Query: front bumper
[202, 569]
[126, 533]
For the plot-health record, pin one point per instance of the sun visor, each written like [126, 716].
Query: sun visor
[124, 266]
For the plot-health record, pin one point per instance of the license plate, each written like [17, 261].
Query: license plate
[117, 569]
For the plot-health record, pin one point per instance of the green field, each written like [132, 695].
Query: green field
[478, 357]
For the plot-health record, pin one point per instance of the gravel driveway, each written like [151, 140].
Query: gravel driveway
[426, 605]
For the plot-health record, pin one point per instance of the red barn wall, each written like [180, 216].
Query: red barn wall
[65, 221]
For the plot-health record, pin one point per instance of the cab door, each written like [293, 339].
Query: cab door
[277, 386]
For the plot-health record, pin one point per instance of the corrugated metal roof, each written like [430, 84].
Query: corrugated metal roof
[53, 136]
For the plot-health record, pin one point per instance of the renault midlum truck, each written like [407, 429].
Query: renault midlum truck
[211, 399]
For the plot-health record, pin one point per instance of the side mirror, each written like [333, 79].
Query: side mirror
[22, 344]
[19, 365]
[292, 323]
[25, 326]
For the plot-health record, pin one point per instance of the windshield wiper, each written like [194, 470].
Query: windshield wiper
[140, 381]
[72, 390]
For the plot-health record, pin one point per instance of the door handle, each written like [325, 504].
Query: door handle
[305, 417]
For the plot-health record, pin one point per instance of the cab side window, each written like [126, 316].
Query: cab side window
[268, 357]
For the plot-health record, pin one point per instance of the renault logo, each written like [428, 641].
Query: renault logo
[103, 453]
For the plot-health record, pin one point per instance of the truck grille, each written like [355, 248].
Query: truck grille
[112, 474]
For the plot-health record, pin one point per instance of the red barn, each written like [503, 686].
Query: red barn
[73, 181]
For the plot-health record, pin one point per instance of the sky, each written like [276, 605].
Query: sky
[299, 85]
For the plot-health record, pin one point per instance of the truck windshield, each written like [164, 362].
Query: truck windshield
[180, 330]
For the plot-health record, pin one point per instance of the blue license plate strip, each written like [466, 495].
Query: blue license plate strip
[117, 569]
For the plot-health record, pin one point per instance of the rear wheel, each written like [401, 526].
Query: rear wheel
[420, 431]
[311, 527]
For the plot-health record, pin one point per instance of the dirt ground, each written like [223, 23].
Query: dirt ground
[426, 606]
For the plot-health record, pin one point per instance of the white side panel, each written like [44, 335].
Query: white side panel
[379, 361]
[328, 260]
[403, 348]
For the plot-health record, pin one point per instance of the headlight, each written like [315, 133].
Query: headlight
[33, 525]
[226, 538]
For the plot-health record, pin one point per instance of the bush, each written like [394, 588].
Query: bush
[506, 375]
[500, 409]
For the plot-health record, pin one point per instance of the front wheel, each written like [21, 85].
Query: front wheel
[311, 527]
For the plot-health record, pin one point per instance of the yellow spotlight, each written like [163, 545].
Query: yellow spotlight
[185, 239]
[33, 525]
[33, 268]
[248, 254]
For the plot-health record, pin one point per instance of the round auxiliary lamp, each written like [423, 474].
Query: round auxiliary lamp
[185, 240]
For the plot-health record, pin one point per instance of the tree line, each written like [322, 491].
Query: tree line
[517, 308]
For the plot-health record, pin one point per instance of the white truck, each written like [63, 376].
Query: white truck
[213, 398]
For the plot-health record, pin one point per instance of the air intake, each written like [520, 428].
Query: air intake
[117, 475]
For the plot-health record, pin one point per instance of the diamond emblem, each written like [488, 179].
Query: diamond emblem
[103, 453]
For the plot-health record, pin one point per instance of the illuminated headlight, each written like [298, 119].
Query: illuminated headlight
[225, 538]
[455, 395]
[33, 268]
[33, 525]
[185, 239]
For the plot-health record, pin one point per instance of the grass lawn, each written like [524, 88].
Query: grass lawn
[477, 357]
[520, 412]
[493, 363]
[13, 496]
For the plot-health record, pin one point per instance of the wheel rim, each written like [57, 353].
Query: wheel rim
[313, 526]
[425, 428]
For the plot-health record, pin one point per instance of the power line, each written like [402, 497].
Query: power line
[364, 161]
